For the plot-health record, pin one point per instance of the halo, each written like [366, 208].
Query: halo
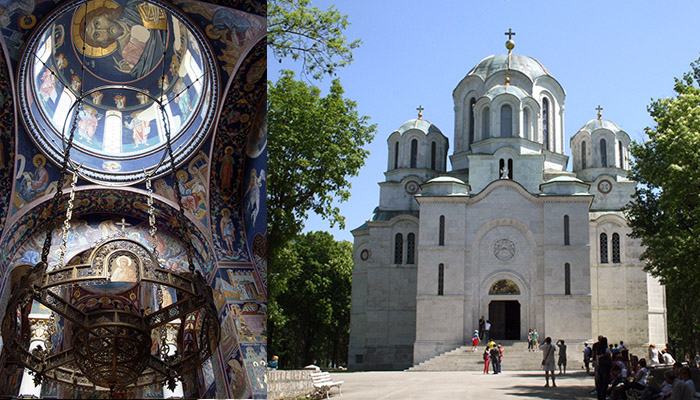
[78, 18]
[37, 158]
[179, 174]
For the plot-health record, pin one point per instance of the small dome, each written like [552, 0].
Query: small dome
[564, 179]
[500, 89]
[446, 179]
[492, 64]
[421, 124]
[595, 124]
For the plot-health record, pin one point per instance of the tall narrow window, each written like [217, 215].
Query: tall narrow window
[506, 121]
[433, 154]
[622, 157]
[545, 123]
[396, 155]
[441, 279]
[472, 102]
[411, 248]
[603, 248]
[566, 230]
[444, 159]
[510, 168]
[398, 249]
[616, 248]
[603, 153]
[567, 279]
[583, 154]
[526, 123]
[501, 168]
[414, 153]
[486, 124]
[441, 234]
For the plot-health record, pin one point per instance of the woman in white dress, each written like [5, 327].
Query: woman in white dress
[548, 363]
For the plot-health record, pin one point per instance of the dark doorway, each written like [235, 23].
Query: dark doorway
[505, 319]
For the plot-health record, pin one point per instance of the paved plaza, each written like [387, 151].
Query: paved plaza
[402, 385]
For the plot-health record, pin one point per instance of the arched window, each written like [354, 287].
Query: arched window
[526, 123]
[398, 249]
[566, 230]
[510, 168]
[545, 123]
[486, 124]
[501, 170]
[603, 153]
[396, 155]
[444, 159]
[414, 153]
[433, 149]
[616, 248]
[441, 234]
[506, 121]
[622, 157]
[603, 248]
[441, 279]
[471, 120]
[504, 286]
[567, 278]
[411, 248]
[583, 154]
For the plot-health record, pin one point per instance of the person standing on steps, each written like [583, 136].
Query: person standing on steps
[562, 357]
[475, 340]
[548, 360]
[534, 338]
[530, 346]
[487, 330]
[482, 326]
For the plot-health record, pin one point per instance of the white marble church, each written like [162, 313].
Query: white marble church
[508, 233]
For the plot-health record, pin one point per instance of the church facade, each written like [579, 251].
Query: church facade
[508, 233]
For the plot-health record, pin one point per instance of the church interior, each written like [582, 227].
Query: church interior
[133, 166]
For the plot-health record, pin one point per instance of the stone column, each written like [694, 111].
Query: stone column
[41, 336]
[171, 330]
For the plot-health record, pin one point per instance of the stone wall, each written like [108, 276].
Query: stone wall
[289, 384]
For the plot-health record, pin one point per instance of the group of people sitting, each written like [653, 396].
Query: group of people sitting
[617, 373]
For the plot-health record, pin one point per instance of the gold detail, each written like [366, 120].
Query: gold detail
[153, 17]
[420, 111]
[599, 108]
[91, 51]
[123, 224]
[27, 22]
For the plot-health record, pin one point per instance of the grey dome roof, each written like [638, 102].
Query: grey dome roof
[492, 64]
[421, 124]
[596, 124]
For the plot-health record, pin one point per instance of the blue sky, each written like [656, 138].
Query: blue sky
[619, 54]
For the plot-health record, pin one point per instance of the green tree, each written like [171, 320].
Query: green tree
[665, 210]
[305, 33]
[314, 304]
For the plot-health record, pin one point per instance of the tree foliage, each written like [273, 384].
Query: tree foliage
[315, 145]
[665, 210]
[297, 30]
[313, 301]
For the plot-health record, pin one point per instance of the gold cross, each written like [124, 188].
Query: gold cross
[123, 224]
[599, 108]
[510, 34]
[420, 111]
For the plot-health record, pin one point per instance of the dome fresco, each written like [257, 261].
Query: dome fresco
[136, 57]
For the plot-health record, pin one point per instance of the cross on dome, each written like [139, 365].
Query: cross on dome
[420, 111]
[599, 108]
[510, 34]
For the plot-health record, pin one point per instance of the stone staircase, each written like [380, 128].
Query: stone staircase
[515, 358]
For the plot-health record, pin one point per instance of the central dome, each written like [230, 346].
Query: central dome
[123, 59]
[492, 64]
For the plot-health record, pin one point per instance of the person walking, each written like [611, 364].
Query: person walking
[548, 360]
[475, 340]
[587, 358]
[562, 357]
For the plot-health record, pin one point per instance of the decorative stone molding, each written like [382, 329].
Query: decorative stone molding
[504, 249]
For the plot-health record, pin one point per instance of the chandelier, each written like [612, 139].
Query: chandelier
[111, 346]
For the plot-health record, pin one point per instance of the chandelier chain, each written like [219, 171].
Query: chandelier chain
[59, 186]
[66, 223]
[152, 219]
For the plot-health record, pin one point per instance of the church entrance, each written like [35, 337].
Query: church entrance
[505, 319]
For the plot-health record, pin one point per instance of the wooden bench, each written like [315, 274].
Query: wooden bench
[323, 383]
